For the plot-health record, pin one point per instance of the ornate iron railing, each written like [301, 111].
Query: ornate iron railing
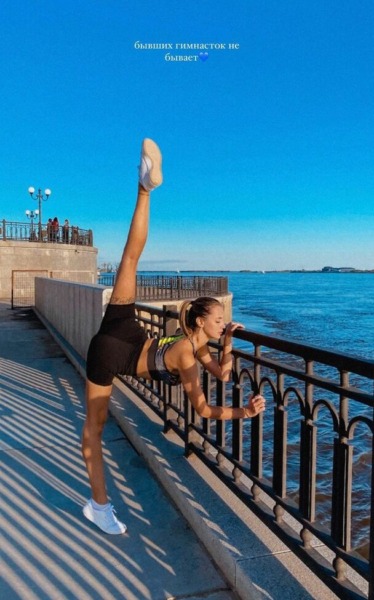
[31, 232]
[314, 441]
[173, 287]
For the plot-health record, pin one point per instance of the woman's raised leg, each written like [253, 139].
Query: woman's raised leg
[150, 176]
[124, 290]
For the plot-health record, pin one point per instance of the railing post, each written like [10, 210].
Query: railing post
[280, 441]
[221, 423]
[207, 383]
[4, 230]
[371, 538]
[308, 442]
[169, 325]
[237, 424]
[168, 397]
[256, 423]
[341, 493]
[342, 478]
[187, 422]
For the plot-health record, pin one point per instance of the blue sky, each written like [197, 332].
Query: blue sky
[268, 148]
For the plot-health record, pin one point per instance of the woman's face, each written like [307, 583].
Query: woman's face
[213, 323]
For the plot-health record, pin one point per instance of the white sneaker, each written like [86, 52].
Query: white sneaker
[150, 174]
[105, 520]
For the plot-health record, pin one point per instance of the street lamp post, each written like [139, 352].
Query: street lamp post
[32, 214]
[40, 197]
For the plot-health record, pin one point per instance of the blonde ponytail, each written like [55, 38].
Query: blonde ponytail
[183, 317]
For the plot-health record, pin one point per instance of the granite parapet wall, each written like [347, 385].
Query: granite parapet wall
[62, 261]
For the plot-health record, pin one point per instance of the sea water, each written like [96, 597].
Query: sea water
[328, 310]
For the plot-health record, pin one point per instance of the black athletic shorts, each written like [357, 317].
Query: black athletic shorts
[116, 348]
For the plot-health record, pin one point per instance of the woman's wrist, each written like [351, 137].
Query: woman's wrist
[227, 345]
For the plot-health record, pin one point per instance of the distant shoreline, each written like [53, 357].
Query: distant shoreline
[307, 271]
[332, 270]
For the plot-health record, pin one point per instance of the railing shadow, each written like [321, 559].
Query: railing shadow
[49, 550]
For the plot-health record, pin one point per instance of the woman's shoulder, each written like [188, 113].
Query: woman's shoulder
[181, 342]
[180, 345]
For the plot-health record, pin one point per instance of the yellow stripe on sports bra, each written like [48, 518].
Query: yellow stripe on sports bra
[170, 339]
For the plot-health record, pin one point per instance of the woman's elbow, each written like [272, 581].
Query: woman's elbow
[204, 410]
[225, 377]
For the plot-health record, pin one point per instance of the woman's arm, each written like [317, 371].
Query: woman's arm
[221, 370]
[191, 383]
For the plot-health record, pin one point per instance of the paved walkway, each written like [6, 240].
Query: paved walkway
[47, 549]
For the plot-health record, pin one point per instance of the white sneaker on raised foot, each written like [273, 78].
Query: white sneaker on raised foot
[105, 520]
[150, 174]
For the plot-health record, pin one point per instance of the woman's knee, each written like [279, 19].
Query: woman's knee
[97, 403]
[93, 428]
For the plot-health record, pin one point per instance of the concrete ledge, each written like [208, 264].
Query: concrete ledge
[254, 561]
[75, 310]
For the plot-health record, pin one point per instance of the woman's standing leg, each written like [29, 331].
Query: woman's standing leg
[124, 292]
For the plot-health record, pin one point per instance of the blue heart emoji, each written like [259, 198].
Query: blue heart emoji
[203, 56]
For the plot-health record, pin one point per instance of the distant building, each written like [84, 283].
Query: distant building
[338, 270]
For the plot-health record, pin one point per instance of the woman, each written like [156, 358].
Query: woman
[122, 347]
